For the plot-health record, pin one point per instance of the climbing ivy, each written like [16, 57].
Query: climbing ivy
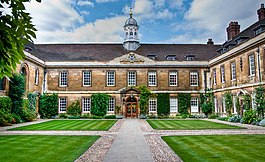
[246, 101]
[228, 102]
[260, 100]
[99, 104]
[163, 104]
[145, 94]
[184, 102]
[48, 105]
[207, 102]
[32, 97]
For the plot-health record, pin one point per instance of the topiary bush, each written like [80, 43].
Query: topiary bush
[99, 104]
[163, 104]
[74, 109]
[48, 105]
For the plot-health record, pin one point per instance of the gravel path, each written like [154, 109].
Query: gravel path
[160, 151]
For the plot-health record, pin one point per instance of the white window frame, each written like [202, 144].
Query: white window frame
[214, 76]
[131, 78]
[224, 108]
[111, 106]
[86, 104]
[36, 76]
[194, 104]
[222, 68]
[234, 104]
[152, 105]
[62, 104]
[152, 78]
[253, 101]
[194, 79]
[173, 78]
[215, 105]
[86, 78]
[63, 78]
[173, 104]
[233, 71]
[110, 78]
[251, 61]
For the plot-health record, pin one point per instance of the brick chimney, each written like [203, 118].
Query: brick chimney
[261, 12]
[232, 30]
[210, 41]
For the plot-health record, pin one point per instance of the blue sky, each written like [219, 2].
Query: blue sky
[160, 21]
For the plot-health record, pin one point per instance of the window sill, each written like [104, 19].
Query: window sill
[251, 76]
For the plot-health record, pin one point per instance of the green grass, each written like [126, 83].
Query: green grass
[211, 148]
[40, 148]
[91, 125]
[188, 125]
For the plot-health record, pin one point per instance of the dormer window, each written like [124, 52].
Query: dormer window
[241, 39]
[152, 57]
[171, 57]
[259, 29]
[190, 57]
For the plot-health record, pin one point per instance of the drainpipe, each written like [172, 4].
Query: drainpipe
[44, 80]
[258, 51]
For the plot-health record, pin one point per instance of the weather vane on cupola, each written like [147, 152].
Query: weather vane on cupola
[131, 40]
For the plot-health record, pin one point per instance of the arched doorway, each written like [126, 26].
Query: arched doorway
[131, 109]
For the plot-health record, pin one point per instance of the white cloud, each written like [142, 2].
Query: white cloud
[211, 17]
[84, 12]
[159, 3]
[105, 1]
[85, 3]
[176, 3]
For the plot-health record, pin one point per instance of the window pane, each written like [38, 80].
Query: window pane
[173, 78]
[193, 78]
[131, 78]
[222, 74]
[110, 78]
[111, 105]
[36, 76]
[173, 104]
[233, 71]
[63, 79]
[214, 77]
[86, 104]
[152, 78]
[86, 78]
[62, 105]
[152, 105]
[251, 65]
[194, 104]
[2, 86]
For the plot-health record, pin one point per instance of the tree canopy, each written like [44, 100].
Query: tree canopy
[16, 30]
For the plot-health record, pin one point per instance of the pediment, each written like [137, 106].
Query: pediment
[132, 58]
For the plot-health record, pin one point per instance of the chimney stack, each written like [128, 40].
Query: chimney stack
[232, 30]
[210, 41]
[261, 12]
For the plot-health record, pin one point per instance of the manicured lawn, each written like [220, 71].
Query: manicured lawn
[232, 148]
[188, 125]
[43, 148]
[91, 125]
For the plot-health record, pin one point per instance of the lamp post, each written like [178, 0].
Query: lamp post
[259, 64]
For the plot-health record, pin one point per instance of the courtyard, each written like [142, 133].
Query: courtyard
[131, 140]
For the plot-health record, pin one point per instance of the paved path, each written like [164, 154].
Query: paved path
[129, 145]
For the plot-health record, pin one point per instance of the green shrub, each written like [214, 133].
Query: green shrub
[74, 117]
[109, 117]
[223, 118]
[96, 117]
[32, 101]
[249, 116]
[63, 116]
[16, 92]
[5, 111]
[213, 116]
[16, 119]
[163, 104]
[48, 105]
[28, 115]
[262, 123]
[74, 109]
[152, 116]
[99, 104]
[162, 116]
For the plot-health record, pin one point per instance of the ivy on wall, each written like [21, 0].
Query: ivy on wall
[163, 104]
[99, 104]
[260, 100]
[184, 102]
[48, 105]
[228, 102]
[207, 102]
[32, 97]
[145, 94]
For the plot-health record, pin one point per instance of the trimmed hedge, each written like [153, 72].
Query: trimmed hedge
[5, 111]
[163, 104]
[48, 105]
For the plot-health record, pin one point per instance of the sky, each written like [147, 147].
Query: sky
[160, 21]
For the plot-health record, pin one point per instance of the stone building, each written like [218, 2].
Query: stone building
[76, 71]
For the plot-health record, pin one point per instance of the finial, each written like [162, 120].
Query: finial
[131, 13]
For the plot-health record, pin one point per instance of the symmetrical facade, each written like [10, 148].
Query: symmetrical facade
[76, 71]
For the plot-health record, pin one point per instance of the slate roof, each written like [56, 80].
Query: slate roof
[107, 52]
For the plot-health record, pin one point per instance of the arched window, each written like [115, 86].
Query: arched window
[37, 76]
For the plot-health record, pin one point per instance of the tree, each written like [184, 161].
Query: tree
[260, 100]
[16, 30]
